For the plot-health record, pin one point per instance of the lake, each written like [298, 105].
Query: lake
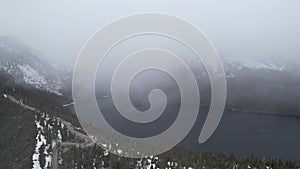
[249, 133]
[239, 133]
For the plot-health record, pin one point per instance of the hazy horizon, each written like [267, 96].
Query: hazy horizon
[250, 29]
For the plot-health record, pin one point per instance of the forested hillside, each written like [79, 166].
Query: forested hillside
[17, 129]
[43, 140]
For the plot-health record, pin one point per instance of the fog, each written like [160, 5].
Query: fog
[252, 28]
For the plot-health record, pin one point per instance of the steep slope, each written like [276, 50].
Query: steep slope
[268, 85]
[24, 65]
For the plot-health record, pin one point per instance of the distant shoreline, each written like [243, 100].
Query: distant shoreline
[255, 111]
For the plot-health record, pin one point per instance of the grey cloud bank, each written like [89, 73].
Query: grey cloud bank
[250, 29]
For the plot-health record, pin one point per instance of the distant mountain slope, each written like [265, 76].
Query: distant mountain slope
[26, 67]
[267, 85]
[262, 85]
[264, 63]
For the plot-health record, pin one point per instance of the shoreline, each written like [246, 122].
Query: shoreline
[255, 111]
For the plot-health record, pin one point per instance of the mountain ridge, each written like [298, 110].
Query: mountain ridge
[20, 61]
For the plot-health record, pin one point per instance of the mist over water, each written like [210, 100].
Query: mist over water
[145, 89]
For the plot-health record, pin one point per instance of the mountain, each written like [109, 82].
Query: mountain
[265, 63]
[31, 108]
[27, 67]
[262, 85]
[268, 84]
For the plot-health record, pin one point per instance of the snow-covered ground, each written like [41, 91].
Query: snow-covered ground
[40, 140]
[43, 124]
[257, 63]
[31, 76]
[27, 66]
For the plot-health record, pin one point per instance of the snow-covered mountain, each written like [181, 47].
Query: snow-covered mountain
[26, 67]
[258, 84]
[265, 63]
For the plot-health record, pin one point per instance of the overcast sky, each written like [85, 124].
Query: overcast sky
[248, 28]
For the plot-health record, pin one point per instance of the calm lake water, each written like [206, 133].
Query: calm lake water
[249, 133]
[239, 133]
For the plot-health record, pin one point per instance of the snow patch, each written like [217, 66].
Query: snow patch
[230, 75]
[59, 136]
[120, 151]
[40, 140]
[255, 63]
[31, 76]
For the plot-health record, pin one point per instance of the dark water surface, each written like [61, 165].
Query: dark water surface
[249, 133]
[239, 133]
